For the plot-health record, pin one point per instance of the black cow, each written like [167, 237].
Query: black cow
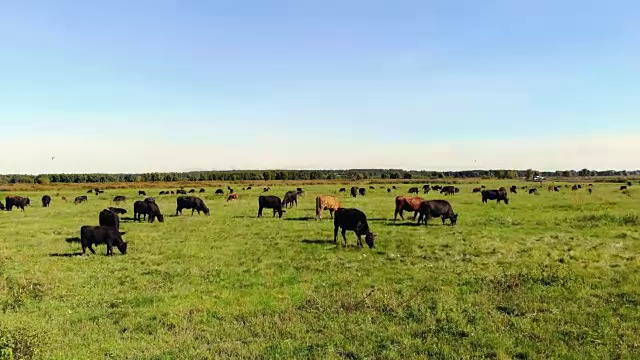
[120, 198]
[172, 192]
[495, 195]
[181, 191]
[193, 203]
[342, 190]
[413, 190]
[579, 186]
[248, 187]
[109, 218]
[219, 192]
[266, 189]
[372, 187]
[143, 208]
[140, 192]
[17, 201]
[437, 208]
[533, 191]
[426, 188]
[161, 193]
[230, 190]
[354, 191]
[362, 191]
[436, 187]
[628, 183]
[574, 188]
[300, 191]
[290, 198]
[270, 202]
[202, 190]
[393, 187]
[388, 191]
[46, 200]
[448, 190]
[353, 220]
[80, 199]
[621, 188]
[95, 235]
[590, 190]
[89, 191]
[192, 191]
[513, 189]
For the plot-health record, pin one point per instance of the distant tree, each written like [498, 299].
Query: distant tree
[42, 179]
[266, 175]
[407, 175]
[529, 174]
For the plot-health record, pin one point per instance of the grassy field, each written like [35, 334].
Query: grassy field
[554, 275]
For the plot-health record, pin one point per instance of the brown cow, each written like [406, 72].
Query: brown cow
[326, 203]
[406, 203]
[232, 197]
[477, 190]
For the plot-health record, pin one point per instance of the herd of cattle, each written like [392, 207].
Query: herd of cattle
[347, 219]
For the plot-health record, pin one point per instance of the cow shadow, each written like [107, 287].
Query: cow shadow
[412, 223]
[377, 219]
[302, 218]
[65, 254]
[318, 241]
[72, 240]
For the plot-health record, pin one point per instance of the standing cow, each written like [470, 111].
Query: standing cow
[362, 191]
[354, 191]
[46, 200]
[290, 198]
[437, 208]
[94, 235]
[354, 220]
[270, 202]
[326, 203]
[107, 217]
[413, 190]
[498, 195]
[193, 203]
[17, 201]
[406, 203]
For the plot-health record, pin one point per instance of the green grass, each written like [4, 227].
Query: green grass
[555, 275]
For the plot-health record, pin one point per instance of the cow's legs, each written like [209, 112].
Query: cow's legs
[335, 234]
[344, 236]
[331, 212]
[359, 240]
[91, 248]
[260, 211]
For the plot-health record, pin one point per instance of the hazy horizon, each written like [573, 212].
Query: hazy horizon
[158, 86]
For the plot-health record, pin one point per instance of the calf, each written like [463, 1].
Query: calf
[80, 199]
[290, 198]
[406, 203]
[326, 203]
[497, 195]
[354, 220]
[46, 200]
[437, 208]
[95, 235]
[232, 197]
[270, 202]
[109, 218]
[426, 188]
[193, 203]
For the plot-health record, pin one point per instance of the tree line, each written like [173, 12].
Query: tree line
[257, 175]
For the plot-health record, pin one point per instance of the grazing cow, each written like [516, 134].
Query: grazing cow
[290, 198]
[117, 210]
[219, 192]
[118, 199]
[172, 192]
[342, 190]
[437, 208]
[143, 208]
[524, 188]
[590, 185]
[533, 191]
[426, 188]
[362, 191]
[162, 193]
[406, 203]
[270, 202]
[513, 189]
[394, 187]
[388, 191]
[181, 192]
[46, 200]
[354, 220]
[556, 189]
[249, 188]
[98, 191]
[476, 190]
[140, 192]
[413, 190]
[64, 198]
[230, 191]
[448, 190]
[202, 190]
[436, 188]
[326, 203]
[80, 199]
[300, 191]
[95, 235]
[109, 218]
[232, 197]
[498, 195]
[579, 186]
[192, 191]
[266, 189]
[628, 183]
[193, 203]
[590, 190]
[17, 201]
[354, 191]
[623, 187]
[574, 188]
[89, 191]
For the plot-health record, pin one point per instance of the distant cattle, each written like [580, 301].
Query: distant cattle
[498, 195]
[202, 190]
[556, 188]
[372, 187]
[89, 191]
[362, 191]
[192, 191]
[352, 220]
[219, 192]
[623, 187]
[483, 187]
[172, 192]
[436, 188]
[142, 209]
[290, 198]
[406, 203]
[95, 235]
[388, 190]
[513, 189]
[230, 191]
[437, 208]
[117, 210]
[413, 190]
[476, 190]
[118, 199]
[326, 203]
[249, 188]
[590, 190]
[232, 197]
[448, 190]
[46, 200]
[228, 187]
[354, 191]
[17, 201]
[109, 218]
[98, 191]
[342, 190]
[426, 188]
[143, 193]
[193, 203]
[243, 189]
[524, 188]
[628, 183]
[64, 198]
[590, 185]
[270, 202]
[574, 188]
[266, 189]
[181, 192]
[300, 191]
[394, 187]
[533, 191]
[579, 186]
[161, 193]
[80, 199]
[1, 206]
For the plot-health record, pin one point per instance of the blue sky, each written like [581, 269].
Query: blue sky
[299, 84]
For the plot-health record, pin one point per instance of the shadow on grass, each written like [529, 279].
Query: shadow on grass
[65, 254]
[72, 240]
[402, 224]
[318, 241]
[303, 218]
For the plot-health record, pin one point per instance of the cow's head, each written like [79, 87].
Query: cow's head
[122, 246]
[206, 210]
[368, 238]
[160, 217]
[454, 219]
[281, 212]
[506, 200]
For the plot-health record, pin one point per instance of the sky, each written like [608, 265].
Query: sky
[144, 86]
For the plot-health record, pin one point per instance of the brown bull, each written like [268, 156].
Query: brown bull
[326, 203]
[406, 203]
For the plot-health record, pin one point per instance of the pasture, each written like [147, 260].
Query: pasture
[554, 275]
